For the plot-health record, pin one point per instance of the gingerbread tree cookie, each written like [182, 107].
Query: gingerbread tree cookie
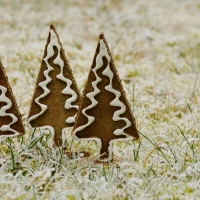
[104, 114]
[56, 97]
[10, 118]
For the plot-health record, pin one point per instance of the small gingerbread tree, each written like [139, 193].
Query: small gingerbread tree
[10, 118]
[56, 98]
[104, 114]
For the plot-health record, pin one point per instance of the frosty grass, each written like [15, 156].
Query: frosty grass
[156, 49]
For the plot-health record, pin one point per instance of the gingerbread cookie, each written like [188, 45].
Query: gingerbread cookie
[56, 97]
[10, 118]
[104, 114]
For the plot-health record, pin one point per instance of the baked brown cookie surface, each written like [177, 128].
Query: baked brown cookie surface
[56, 97]
[10, 118]
[104, 114]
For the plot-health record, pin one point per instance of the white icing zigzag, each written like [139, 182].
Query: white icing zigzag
[43, 85]
[3, 110]
[116, 102]
[91, 95]
[68, 104]
[67, 90]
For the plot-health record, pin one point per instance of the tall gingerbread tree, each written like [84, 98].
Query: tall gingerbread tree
[56, 97]
[10, 118]
[104, 114]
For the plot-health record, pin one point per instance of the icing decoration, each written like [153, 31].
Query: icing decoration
[104, 114]
[10, 118]
[92, 94]
[43, 85]
[116, 102]
[56, 94]
[5, 108]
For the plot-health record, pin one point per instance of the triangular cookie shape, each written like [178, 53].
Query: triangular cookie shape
[10, 118]
[104, 114]
[56, 97]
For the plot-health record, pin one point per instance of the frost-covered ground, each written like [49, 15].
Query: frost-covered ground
[156, 48]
